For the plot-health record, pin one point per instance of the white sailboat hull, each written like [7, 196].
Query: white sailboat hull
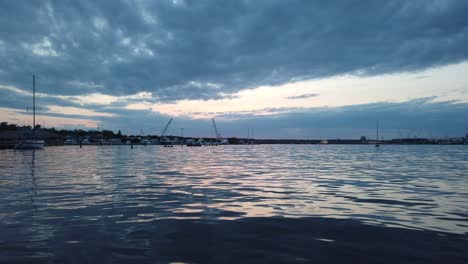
[30, 144]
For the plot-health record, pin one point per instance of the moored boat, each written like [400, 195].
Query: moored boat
[32, 143]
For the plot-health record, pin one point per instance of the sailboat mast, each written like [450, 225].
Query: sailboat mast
[34, 107]
[377, 139]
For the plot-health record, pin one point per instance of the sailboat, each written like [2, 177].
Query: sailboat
[32, 143]
[377, 137]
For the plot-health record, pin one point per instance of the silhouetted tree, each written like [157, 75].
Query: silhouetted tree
[108, 134]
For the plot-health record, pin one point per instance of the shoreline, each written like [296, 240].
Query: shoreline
[11, 145]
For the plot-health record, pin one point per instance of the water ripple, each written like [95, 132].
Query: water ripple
[420, 187]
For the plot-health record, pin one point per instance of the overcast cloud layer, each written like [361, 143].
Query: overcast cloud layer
[210, 49]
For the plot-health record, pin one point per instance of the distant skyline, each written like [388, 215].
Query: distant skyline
[288, 69]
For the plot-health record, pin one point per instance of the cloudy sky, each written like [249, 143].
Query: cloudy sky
[287, 69]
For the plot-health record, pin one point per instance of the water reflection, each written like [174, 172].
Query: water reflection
[33, 179]
[58, 195]
[398, 185]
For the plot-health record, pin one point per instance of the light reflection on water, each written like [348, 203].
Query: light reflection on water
[116, 204]
[423, 187]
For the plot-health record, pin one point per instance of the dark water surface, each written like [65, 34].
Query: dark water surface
[235, 204]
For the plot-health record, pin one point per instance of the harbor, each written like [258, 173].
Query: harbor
[182, 131]
[11, 134]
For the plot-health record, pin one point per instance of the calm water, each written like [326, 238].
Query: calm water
[291, 203]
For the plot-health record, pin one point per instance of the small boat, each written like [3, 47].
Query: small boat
[32, 143]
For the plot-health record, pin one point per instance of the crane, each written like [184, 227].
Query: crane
[165, 128]
[215, 129]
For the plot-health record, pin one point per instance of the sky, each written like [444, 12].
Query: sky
[283, 69]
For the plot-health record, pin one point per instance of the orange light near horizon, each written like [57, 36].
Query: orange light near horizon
[12, 116]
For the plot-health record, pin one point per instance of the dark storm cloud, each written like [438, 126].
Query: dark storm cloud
[210, 49]
[303, 96]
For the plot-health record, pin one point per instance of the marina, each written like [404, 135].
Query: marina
[11, 135]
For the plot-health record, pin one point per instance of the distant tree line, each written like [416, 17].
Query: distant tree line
[95, 134]
[4, 126]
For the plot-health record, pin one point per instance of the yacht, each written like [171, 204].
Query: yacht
[145, 142]
[193, 143]
[70, 141]
[32, 143]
